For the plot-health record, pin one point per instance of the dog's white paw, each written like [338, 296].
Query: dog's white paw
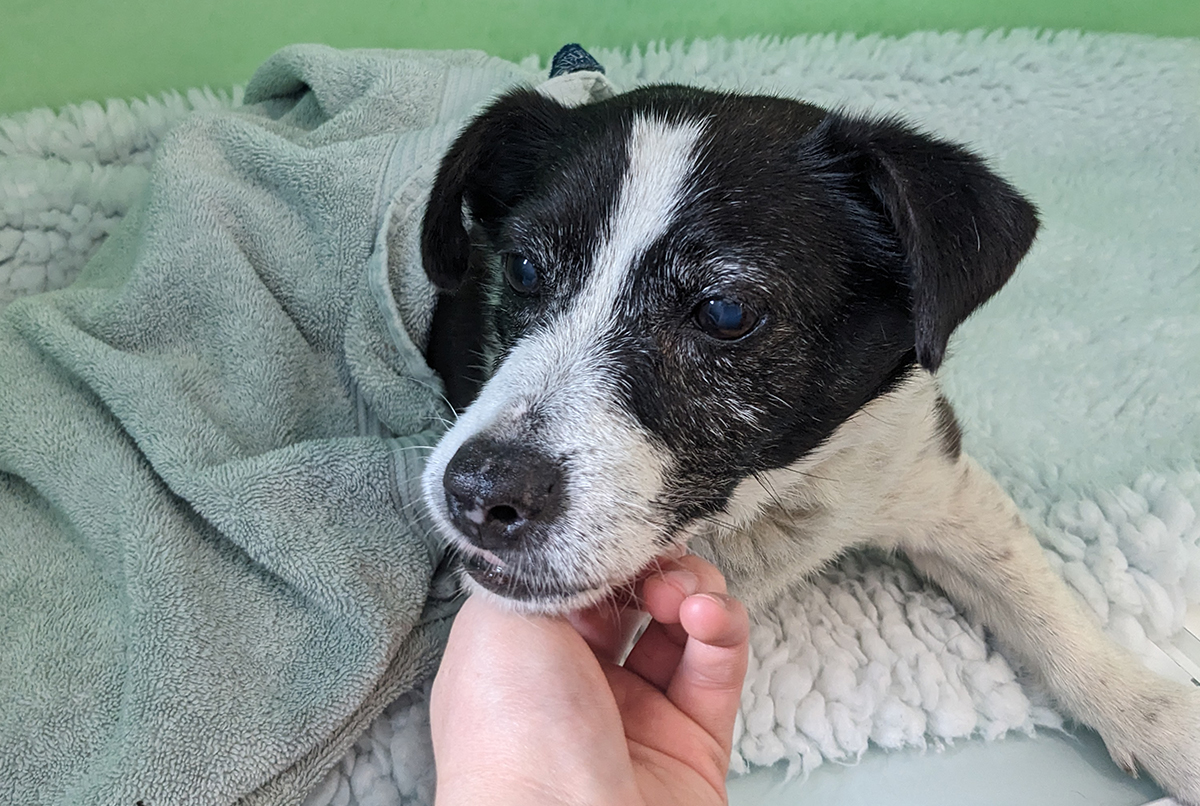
[1160, 736]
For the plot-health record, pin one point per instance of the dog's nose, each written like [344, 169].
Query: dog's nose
[499, 494]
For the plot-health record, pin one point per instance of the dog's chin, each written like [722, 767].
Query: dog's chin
[490, 576]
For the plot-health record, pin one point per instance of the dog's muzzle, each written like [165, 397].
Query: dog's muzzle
[503, 496]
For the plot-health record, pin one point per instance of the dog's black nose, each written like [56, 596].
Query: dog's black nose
[498, 494]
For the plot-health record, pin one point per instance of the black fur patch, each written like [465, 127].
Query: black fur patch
[948, 428]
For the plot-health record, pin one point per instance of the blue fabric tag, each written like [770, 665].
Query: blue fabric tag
[571, 59]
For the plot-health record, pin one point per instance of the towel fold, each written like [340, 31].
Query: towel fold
[214, 570]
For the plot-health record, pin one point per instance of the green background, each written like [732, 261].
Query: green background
[61, 51]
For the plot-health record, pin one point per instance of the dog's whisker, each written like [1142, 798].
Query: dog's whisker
[770, 490]
[808, 474]
[402, 448]
[716, 521]
[437, 392]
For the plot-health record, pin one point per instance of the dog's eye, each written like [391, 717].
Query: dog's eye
[521, 274]
[725, 319]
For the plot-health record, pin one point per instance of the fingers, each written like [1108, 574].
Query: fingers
[695, 649]
[656, 655]
[609, 626]
[707, 684]
[664, 592]
[695, 643]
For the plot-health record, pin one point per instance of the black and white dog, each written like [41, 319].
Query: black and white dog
[714, 319]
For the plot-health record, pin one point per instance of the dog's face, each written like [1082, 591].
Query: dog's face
[682, 290]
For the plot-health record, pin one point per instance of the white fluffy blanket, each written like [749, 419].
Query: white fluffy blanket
[1077, 386]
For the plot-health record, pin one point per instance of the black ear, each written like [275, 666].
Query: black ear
[961, 228]
[491, 166]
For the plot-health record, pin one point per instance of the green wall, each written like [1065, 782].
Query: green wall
[59, 51]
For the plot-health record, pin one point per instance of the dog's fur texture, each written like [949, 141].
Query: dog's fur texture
[680, 316]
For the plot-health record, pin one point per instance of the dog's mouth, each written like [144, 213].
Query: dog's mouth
[499, 578]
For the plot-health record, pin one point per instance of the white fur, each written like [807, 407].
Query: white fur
[884, 480]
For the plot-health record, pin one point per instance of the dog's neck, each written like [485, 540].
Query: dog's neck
[782, 525]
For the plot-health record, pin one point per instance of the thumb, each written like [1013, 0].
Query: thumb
[707, 684]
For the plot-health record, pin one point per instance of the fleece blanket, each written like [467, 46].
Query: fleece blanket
[1076, 385]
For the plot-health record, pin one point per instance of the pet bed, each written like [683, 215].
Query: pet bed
[1076, 386]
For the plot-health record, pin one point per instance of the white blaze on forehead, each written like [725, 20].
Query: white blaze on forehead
[560, 363]
[661, 158]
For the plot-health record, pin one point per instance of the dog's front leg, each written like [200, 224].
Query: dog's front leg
[981, 553]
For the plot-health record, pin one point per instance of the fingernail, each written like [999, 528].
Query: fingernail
[720, 598]
[686, 581]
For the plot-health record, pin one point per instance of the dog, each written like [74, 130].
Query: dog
[679, 317]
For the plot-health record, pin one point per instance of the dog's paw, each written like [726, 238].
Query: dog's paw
[1161, 737]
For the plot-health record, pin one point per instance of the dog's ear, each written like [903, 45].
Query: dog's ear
[490, 167]
[961, 229]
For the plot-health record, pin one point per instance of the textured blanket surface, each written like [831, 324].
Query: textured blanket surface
[1077, 385]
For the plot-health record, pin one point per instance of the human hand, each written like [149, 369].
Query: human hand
[533, 710]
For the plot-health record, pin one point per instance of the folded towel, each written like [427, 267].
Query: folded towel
[213, 567]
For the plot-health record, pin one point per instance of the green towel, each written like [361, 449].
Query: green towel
[214, 569]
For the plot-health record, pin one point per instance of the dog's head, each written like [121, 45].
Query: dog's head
[682, 289]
